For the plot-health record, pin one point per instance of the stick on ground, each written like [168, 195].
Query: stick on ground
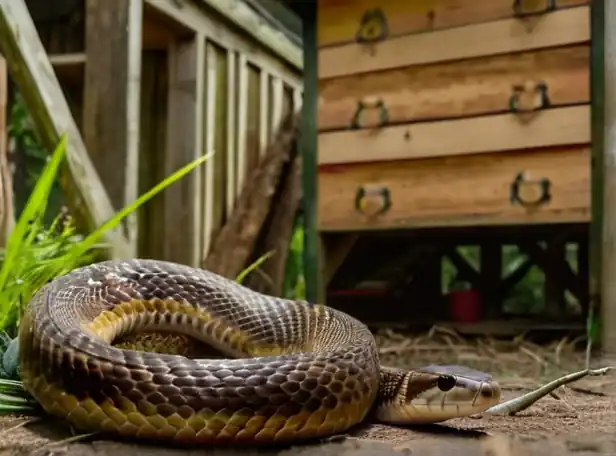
[518, 404]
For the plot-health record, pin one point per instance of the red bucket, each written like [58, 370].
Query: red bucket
[465, 306]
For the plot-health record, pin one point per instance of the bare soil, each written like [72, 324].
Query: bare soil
[580, 419]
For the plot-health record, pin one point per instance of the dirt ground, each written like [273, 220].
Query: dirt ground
[580, 419]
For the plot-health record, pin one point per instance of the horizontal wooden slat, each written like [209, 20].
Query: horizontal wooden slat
[552, 127]
[463, 88]
[458, 191]
[339, 19]
[559, 28]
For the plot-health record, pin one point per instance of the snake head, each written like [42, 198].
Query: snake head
[433, 394]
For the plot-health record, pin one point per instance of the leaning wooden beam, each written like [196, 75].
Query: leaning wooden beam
[243, 227]
[112, 99]
[278, 232]
[33, 73]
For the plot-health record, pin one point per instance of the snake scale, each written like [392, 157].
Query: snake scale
[291, 370]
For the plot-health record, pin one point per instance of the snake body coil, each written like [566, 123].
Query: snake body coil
[295, 371]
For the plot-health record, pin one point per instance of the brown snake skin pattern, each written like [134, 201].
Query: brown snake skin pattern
[309, 370]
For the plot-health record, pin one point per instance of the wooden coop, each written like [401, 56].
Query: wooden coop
[152, 85]
[447, 126]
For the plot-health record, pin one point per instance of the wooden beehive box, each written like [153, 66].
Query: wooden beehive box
[453, 112]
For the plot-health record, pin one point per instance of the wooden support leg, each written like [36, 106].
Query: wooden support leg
[554, 278]
[583, 273]
[491, 274]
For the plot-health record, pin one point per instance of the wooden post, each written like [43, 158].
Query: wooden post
[112, 99]
[308, 148]
[183, 211]
[608, 233]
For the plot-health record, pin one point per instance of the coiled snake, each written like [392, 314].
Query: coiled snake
[294, 371]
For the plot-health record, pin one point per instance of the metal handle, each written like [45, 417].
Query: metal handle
[518, 8]
[361, 105]
[544, 185]
[379, 191]
[518, 90]
[373, 27]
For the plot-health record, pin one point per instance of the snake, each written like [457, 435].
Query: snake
[289, 370]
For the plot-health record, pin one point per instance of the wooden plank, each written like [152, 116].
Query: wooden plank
[477, 191]
[219, 125]
[194, 16]
[560, 28]
[253, 125]
[454, 89]
[183, 211]
[339, 19]
[232, 109]
[31, 69]
[242, 121]
[297, 99]
[153, 127]
[277, 107]
[210, 132]
[111, 100]
[264, 105]
[552, 127]
[69, 68]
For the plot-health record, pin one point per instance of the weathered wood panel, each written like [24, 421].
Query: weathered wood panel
[465, 88]
[466, 190]
[340, 19]
[183, 202]
[111, 99]
[551, 127]
[563, 27]
[154, 87]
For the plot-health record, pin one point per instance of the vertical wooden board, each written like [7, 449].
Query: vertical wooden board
[297, 99]
[339, 20]
[276, 103]
[183, 210]
[111, 98]
[242, 122]
[209, 122]
[220, 140]
[264, 110]
[154, 86]
[287, 101]
[232, 109]
[252, 154]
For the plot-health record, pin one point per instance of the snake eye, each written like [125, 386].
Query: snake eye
[446, 382]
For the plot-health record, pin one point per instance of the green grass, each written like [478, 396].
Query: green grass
[36, 254]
